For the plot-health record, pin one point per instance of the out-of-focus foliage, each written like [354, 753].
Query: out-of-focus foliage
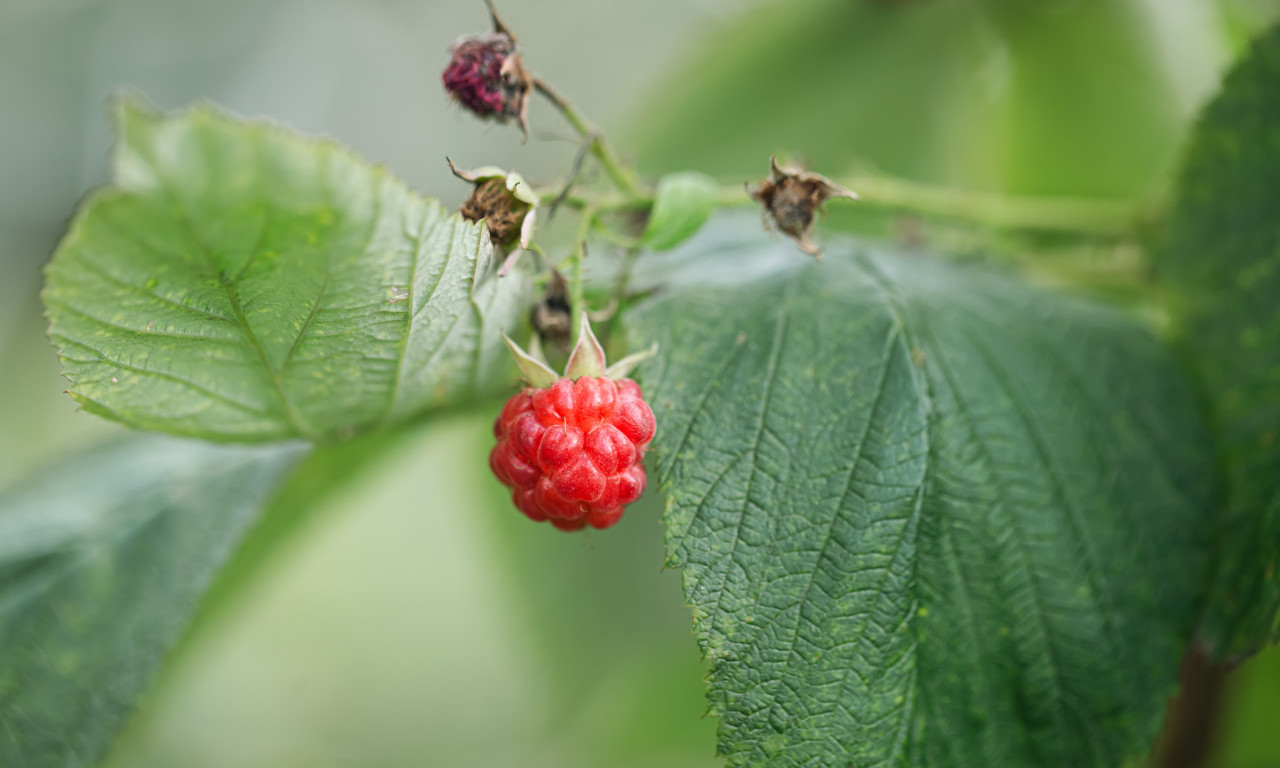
[103, 561]
[1221, 263]
[1074, 97]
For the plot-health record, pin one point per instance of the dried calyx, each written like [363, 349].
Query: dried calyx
[506, 203]
[791, 196]
[552, 316]
[486, 75]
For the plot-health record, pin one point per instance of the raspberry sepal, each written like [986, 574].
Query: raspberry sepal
[532, 369]
[587, 357]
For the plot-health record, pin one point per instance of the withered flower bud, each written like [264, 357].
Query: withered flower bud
[506, 204]
[486, 75]
[790, 197]
[552, 317]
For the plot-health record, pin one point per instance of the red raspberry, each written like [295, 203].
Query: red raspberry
[572, 452]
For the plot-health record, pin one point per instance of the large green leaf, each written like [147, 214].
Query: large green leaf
[239, 282]
[1221, 262]
[926, 515]
[103, 561]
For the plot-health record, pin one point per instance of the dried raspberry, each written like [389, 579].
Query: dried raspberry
[791, 197]
[506, 204]
[571, 448]
[571, 453]
[485, 75]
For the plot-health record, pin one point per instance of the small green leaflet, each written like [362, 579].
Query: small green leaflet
[927, 515]
[239, 282]
[1220, 260]
[103, 561]
[682, 203]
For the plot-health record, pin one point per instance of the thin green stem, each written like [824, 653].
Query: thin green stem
[614, 237]
[1014, 212]
[622, 176]
[1065, 214]
[543, 261]
[610, 204]
[577, 286]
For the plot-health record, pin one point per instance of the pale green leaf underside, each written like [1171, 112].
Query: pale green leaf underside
[1221, 263]
[239, 282]
[927, 516]
[103, 562]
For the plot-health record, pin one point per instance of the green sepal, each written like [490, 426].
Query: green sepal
[535, 372]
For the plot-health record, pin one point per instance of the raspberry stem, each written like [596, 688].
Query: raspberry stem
[622, 176]
[1082, 216]
[577, 286]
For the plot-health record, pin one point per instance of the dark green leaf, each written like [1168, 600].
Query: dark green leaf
[239, 282]
[926, 515]
[103, 561]
[682, 203]
[1221, 262]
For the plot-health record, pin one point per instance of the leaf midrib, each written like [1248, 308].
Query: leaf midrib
[291, 413]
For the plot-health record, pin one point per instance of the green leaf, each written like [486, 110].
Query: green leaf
[1221, 263]
[682, 203]
[927, 515]
[102, 563]
[239, 282]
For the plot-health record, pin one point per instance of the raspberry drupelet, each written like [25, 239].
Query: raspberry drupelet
[571, 448]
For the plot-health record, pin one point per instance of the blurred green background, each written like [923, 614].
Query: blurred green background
[418, 620]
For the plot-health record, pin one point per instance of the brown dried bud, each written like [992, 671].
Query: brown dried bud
[506, 204]
[500, 209]
[485, 74]
[791, 196]
[552, 317]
